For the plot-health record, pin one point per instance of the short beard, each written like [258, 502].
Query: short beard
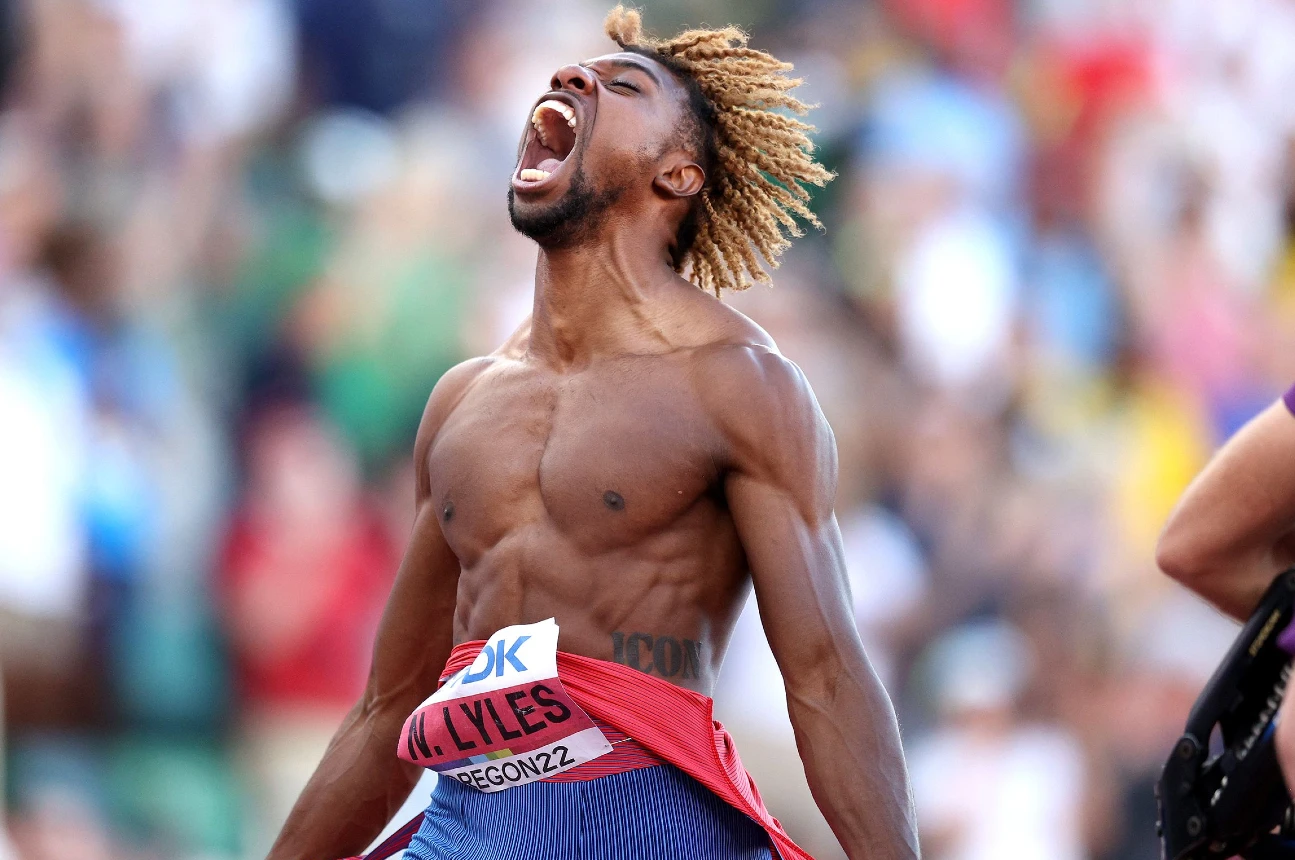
[571, 221]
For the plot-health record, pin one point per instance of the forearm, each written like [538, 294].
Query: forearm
[361, 783]
[848, 739]
[358, 786]
[780, 485]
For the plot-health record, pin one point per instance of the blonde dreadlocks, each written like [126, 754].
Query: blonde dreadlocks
[760, 159]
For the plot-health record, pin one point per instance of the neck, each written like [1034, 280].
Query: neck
[595, 298]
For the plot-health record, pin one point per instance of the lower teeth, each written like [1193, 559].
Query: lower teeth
[531, 174]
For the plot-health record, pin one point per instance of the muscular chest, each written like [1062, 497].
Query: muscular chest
[606, 458]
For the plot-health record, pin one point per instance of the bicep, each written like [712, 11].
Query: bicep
[798, 570]
[780, 487]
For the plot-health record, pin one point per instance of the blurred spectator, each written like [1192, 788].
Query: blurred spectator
[988, 783]
[943, 161]
[306, 568]
[383, 320]
[378, 54]
[60, 827]
[1151, 687]
[9, 38]
[45, 402]
[7, 851]
[1070, 304]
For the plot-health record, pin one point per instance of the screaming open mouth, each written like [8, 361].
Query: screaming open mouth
[550, 140]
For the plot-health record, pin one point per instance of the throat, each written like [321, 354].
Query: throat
[589, 303]
[609, 295]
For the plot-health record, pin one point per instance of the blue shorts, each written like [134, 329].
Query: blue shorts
[653, 813]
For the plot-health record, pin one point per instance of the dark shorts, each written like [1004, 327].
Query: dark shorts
[653, 813]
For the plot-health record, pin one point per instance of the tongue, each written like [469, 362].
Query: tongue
[549, 165]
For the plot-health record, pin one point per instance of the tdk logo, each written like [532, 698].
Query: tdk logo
[498, 655]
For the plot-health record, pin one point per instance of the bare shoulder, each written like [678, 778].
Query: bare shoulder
[761, 402]
[715, 324]
[449, 390]
[456, 381]
[448, 393]
[739, 369]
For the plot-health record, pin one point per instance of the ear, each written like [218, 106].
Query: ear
[680, 178]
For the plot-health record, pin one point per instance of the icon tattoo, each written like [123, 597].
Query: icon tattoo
[667, 656]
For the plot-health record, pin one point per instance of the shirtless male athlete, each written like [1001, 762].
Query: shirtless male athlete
[626, 464]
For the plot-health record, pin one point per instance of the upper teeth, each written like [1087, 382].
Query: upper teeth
[553, 105]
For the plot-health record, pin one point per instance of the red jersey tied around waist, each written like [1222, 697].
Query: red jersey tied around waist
[567, 693]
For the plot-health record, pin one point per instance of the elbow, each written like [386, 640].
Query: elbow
[815, 686]
[834, 670]
[380, 710]
[378, 722]
[1175, 559]
[1183, 559]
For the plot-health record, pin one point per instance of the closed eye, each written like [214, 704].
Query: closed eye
[626, 84]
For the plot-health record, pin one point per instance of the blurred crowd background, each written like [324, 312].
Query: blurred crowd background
[241, 239]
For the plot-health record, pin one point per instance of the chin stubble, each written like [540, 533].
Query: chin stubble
[569, 221]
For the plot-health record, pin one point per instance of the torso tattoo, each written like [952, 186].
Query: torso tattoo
[667, 656]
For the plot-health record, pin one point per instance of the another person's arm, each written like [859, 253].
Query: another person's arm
[782, 475]
[361, 783]
[1231, 532]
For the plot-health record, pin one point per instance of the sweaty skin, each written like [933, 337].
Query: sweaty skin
[630, 462]
[1233, 532]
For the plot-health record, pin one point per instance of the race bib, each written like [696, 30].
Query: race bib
[505, 720]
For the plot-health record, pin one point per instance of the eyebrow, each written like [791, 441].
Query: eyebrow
[630, 64]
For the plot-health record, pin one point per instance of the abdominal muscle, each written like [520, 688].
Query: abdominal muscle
[665, 607]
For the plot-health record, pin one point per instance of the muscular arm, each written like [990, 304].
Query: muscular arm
[360, 783]
[1231, 532]
[780, 486]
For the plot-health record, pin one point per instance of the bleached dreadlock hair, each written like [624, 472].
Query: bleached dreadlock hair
[757, 160]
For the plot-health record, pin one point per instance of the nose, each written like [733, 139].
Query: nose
[573, 77]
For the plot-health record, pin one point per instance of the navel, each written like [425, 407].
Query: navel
[614, 500]
[447, 513]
